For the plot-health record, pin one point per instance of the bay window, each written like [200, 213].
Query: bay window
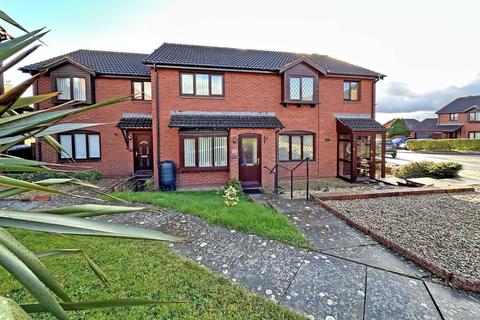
[80, 146]
[201, 84]
[295, 146]
[71, 88]
[204, 151]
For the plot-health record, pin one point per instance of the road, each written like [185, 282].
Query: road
[470, 162]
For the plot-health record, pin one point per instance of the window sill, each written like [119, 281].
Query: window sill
[352, 101]
[294, 161]
[202, 97]
[75, 104]
[314, 102]
[186, 169]
[79, 160]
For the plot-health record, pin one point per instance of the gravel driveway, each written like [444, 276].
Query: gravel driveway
[444, 228]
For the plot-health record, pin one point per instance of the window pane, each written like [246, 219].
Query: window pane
[283, 147]
[220, 151]
[217, 85]
[294, 88]
[249, 151]
[346, 90]
[147, 90]
[354, 91]
[79, 89]
[378, 146]
[63, 86]
[94, 146]
[66, 142]
[307, 89]
[308, 147]
[205, 151]
[296, 147]
[80, 146]
[137, 90]
[189, 152]
[201, 81]
[187, 83]
[344, 150]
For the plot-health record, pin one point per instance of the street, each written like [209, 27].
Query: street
[470, 162]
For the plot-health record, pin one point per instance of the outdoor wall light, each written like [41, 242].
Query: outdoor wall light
[234, 140]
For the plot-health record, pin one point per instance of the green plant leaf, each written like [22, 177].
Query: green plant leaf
[128, 302]
[89, 210]
[26, 101]
[33, 263]
[17, 59]
[72, 225]
[8, 98]
[28, 280]
[7, 53]
[15, 183]
[5, 17]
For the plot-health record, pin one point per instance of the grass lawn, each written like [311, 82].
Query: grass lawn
[248, 217]
[144, 269]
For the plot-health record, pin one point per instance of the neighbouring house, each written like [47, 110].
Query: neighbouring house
[218, 114]
[458, 119]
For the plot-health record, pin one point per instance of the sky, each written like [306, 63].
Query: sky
[428, 49]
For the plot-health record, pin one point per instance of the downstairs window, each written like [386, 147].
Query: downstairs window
[80, 146]
[208, 151]
[295, 146]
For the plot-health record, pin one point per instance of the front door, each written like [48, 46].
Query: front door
[249, 161]
[142, 152]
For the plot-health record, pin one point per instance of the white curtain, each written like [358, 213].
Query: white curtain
[79, 89]
[217, 85]
[63, 86]
[189, 152]
[187, 83]
[220, 151]
[205, 151]
[66, 142]
[94, 146]
[147, 90]
[80, 146]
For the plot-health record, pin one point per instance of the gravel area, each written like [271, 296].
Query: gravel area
[444, 228]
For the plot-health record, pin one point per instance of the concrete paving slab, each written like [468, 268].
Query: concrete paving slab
[391, 296]
[327, 288]
[454, 304]
[380, 257]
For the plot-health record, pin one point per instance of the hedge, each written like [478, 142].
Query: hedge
[443, 145]
[87, 175]
[428, 169]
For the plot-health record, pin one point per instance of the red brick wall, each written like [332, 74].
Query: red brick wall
[260, 92]
[116, 159]
[444, 118]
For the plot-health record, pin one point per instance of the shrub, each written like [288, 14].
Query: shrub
[88, 175]
[429, 169]
[398, 128]
[443, 144]
[230, 192]
[232, 183]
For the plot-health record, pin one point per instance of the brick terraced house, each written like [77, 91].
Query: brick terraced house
[458, 119]
[218, 114]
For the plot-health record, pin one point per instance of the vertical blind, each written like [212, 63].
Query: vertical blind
[80, 146]
[220, 151]
[189, 152]
[204, 152]
[66, 142]
[79, 89]
[217, 85]
[187, 83]
[93, 146]
[201, 81]
[63, 86]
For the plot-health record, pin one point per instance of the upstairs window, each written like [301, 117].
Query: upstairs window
[80, 146]
[351, 90]
[301, 88]
[474, 116]
[201, 84]
[142, 90]
[295, 147]
[72, 89]
[453, 116]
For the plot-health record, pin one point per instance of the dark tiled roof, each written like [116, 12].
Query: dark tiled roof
[230, 58]
[448, 127]
[411, 122]
[206, 119]
[425, 125]
[461, 104]
[135, 121]
[102, 62]
[357, 124]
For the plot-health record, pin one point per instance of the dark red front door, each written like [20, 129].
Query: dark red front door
[249, 161]
[142, 152]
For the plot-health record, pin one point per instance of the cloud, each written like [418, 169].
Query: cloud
[397, 97]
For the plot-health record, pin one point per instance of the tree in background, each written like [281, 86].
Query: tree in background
[399, 127]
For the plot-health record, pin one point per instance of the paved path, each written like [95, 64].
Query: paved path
[347, 276]
[469, 161]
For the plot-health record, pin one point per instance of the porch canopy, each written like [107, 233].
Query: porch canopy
[221, 119]
[134, 121]
[360, 147]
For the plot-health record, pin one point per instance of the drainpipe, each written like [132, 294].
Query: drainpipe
[157, 115]
[275, 188]
[373, 96]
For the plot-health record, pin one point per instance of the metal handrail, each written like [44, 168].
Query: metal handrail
[307, 182]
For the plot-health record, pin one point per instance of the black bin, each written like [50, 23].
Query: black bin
[168, 178]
